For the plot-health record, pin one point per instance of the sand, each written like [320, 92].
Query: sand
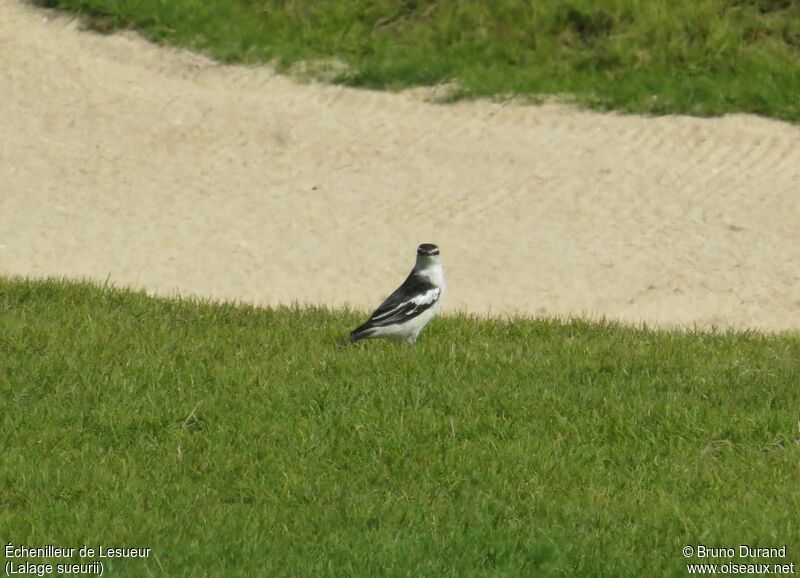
[162, 170]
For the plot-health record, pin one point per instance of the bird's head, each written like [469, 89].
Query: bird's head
[427, 255]
[427, 250]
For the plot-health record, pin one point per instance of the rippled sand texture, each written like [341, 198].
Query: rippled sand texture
[159, 169]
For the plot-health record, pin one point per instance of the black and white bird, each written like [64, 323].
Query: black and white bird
[413, 305]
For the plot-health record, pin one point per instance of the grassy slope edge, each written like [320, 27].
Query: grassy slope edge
[240, 441]
[700, 57]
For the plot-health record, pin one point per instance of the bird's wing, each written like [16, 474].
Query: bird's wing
[414, 296]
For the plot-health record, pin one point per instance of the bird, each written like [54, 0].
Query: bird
[413, 305]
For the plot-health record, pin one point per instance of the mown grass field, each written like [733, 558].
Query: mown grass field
[701, 57]
[239, 441]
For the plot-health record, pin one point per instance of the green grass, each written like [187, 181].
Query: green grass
[701, 57]
[241, 441]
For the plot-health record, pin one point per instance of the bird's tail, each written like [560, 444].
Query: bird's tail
[347, 342]
[357, 334]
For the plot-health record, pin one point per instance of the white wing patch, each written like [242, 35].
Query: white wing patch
[428, 298]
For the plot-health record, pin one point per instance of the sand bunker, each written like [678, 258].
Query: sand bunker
[162, 170]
